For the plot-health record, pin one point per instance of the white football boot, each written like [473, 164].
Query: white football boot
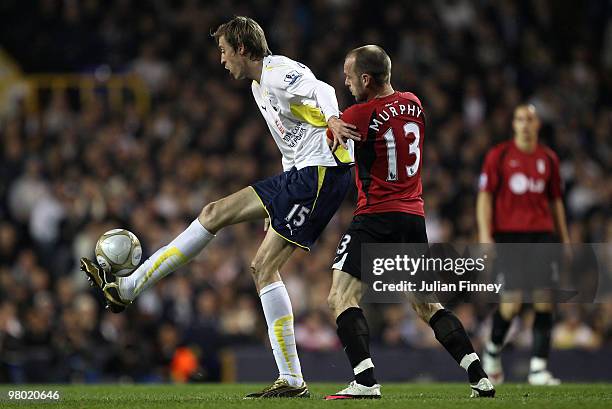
[105, 282]
[483, 389]
[543, 377]
[357, 391]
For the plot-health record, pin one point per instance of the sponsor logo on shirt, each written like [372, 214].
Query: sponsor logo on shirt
[541, 166]
[520, 184]
[292, 77]
[294, 135]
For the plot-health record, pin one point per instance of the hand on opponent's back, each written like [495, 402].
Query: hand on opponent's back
[339, 132]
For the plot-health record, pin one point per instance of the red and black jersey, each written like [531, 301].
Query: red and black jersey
[388, 158]
[522, 184]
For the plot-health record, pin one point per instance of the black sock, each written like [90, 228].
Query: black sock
[542, 327]
[354, 334]
[451, 334]
[500, 329]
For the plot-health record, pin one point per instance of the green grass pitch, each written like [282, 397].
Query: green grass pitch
[409, 395]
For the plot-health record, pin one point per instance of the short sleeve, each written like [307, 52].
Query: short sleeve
[352, 115]
[348, 117]
[554, 184]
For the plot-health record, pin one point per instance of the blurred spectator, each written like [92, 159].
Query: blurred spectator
[571, 332]
[314, 333]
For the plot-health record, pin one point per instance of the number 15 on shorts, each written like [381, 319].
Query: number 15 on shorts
[297, 216]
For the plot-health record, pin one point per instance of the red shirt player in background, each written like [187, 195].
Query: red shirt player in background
[520, 202]
[388, 157]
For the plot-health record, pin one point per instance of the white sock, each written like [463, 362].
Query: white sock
[279, 317]
[537, 364]
[493, 348]
[169, 258]
[467, 360]
[363, 365]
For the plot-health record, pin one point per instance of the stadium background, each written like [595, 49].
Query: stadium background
[118, 113]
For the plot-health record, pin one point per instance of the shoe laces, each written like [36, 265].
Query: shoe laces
[275, 384]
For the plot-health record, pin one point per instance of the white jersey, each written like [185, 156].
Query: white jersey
[296, 107]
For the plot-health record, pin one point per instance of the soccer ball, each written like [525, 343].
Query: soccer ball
[118, 252]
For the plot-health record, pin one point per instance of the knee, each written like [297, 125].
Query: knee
[509, 310]
[332, 301]
[338, 302]
[426, 310]
[261, 275]
[543, 307]
[209, 216]
[256, 266]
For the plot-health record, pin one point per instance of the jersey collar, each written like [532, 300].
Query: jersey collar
[264, 62]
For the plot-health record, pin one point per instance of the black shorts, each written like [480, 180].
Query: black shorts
[392, 227]
[531, 262]
[300, 203]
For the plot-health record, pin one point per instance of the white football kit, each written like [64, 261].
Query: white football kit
[296, 107]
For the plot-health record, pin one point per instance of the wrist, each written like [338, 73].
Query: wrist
[331, 118]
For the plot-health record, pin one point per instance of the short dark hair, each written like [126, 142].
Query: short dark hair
[244, 31]
[528, 106]
[372, 60]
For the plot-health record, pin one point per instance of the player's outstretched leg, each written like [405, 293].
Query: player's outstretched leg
[450, 333]
[502, 318]
[354, 334]
[542, 328]
[241, 206]
[272, 254]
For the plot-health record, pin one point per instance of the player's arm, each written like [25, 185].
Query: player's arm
[558, 214]
[484, 216]
[488, 184]
[325, 95]
[349, 116]
[556, 202]
[307, 85]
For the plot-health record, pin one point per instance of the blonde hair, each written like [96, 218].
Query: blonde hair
[244, 31]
